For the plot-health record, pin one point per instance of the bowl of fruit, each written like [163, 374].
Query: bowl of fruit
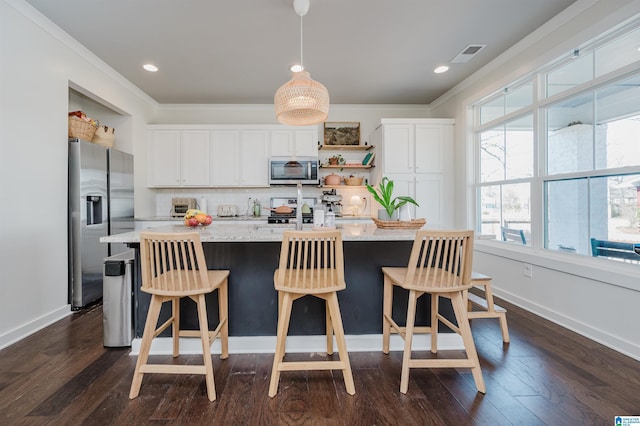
[195, 218]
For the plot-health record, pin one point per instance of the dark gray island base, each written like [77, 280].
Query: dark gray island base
[253, 299]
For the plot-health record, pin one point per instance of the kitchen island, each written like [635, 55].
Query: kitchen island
[251, 253]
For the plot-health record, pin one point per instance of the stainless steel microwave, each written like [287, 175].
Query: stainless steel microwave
[291, 170]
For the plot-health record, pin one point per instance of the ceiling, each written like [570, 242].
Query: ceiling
[240, 51]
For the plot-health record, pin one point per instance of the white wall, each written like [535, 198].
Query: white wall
[36, 72]
[588, 295]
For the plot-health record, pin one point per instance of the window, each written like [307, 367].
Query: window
[579, 70]
[506, 206]
[585, 127]
[506, 159]
[605, 208]
[570, 146]
[510, 100]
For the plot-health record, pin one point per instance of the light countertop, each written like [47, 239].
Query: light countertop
[261, 232]
[244, 218]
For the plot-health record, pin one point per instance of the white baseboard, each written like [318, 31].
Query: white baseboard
[625, 347]
[300, 344]
[31, 327]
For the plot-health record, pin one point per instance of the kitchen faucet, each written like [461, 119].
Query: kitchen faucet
[299, 208]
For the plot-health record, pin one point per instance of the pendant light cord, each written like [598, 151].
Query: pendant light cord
[301, 62]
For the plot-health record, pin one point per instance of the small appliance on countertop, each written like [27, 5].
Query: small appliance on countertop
[227, 210]
[291, 203]
[332, 201]
[179, 206]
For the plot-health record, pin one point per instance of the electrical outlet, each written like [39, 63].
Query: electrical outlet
[528, 270]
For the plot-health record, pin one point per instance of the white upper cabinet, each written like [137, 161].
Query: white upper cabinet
[163, 148]
[430, 145]
[417, 155]
[288, 142]
[398, 148]
[177, 158]
[222, 155]
[224, 158]
[254, 164]
[239, 158]
[415, 148]
[194, 154]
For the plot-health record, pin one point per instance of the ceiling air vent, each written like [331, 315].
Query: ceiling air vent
[468, 53]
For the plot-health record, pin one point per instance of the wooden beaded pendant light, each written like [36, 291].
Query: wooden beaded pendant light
[301, 101]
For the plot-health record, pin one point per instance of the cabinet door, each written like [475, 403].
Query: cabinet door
[163, 158]
[282, 144]
[288, 143]
[195, 158]
[224, 158]
[398, 148]
[429, 194]
[429, 148]
[306, 143]
[254, 158]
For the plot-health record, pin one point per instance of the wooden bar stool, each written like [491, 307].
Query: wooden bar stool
[488, 308]
[173, 267]
[311, 263]
[439, 265]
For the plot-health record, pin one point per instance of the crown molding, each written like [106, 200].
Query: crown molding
[264, 107]
[33, 15]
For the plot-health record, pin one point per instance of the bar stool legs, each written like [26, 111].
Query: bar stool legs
[334, 325]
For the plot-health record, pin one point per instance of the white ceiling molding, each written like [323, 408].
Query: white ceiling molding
[29, 12]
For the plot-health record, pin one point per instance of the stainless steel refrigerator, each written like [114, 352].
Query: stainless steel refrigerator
[100, 200]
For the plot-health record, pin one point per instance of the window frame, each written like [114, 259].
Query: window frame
[538, 109]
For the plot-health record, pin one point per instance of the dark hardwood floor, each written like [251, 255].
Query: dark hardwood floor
[62, 375]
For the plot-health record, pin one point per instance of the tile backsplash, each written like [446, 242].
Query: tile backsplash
[242, 197]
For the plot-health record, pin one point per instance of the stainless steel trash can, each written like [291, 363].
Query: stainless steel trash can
[117, 286]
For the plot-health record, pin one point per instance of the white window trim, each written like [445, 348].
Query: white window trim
[619, 274]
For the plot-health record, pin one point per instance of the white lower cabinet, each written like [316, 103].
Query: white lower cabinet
[428, 189]
[428, 193]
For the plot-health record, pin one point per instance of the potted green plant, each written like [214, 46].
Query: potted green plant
[336, 160]
[384, 196]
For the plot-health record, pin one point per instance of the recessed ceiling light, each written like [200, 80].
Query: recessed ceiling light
[296, 68]
[150, 67]
[440, 69]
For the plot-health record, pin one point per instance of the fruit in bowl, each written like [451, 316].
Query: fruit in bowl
[195, 218]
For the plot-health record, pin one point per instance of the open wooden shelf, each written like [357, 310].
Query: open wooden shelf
[346, 166]
[345, 147]
[342, 186]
